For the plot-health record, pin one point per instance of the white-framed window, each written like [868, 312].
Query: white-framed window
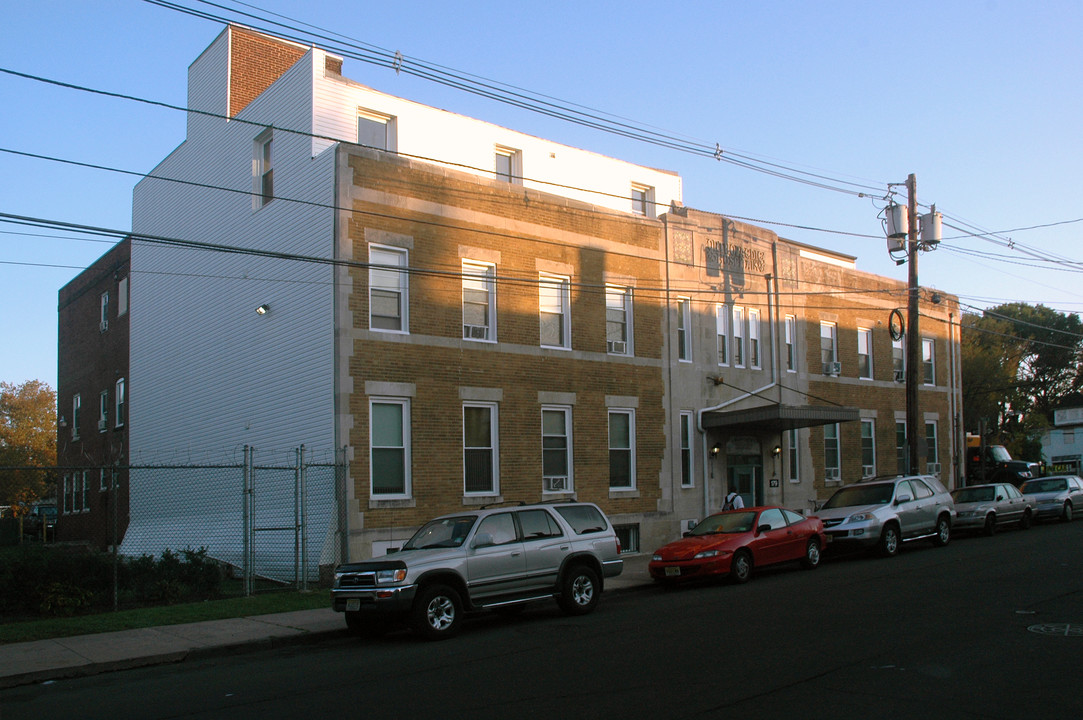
[618, 320]
[103, 411]
[122, 296]
[622, 449]
[82, 479]
[643, 200]
[103, 316]
[898, 359]
[120, 399]
[557, 449]
[389, 289]
[793, 464]
[791, 343]
[722, 322]
[832, 452]
[738, 329]
[932, 456]
[928, 363]
[902, 457]
[554, 301]
[687, 477]
[76, 407]
[65, 499]
[864, 353]
[754, 359]
[481, 454]
[376, 130]
[829, 349]
[103, 474]
[479, 301]
[389, 447]
[868, 448]
[684, 329]
[509, 165]
[263, 172]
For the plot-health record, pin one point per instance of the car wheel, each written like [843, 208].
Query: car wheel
[889, 541]
[1066, 515]
[811, 561]
[362, 626]
[437, 612]
[990, 524]
[741, 566]
[580, 591]
[1026, 521]
[943, 531]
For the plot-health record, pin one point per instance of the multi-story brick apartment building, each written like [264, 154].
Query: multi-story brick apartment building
[92, 381]
[480, 315]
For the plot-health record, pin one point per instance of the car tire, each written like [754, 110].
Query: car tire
[368, 627]
[811, 561]
[741, 566]
[437, 612]
[943, 531]
[889, 540]
[990, 524]
[580, 591]
[1027, 520]
[1067, 514]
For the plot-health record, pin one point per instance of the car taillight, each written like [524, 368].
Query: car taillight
[619, 548]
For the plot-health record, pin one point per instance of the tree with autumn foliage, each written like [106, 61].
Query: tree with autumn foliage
[27, 440]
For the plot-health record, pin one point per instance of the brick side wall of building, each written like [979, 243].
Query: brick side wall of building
[256, 61]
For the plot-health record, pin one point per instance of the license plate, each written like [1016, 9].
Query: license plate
[673, 571]
[353, 605]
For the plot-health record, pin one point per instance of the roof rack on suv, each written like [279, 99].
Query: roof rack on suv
[517, 503]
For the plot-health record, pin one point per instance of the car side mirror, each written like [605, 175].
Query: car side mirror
[483, 539]
[903, 499]
[391, 550]
[762, 528]
[1000, 498]
[687, 534]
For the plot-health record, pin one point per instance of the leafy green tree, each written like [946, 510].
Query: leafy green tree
[27, 439]
[990, 365]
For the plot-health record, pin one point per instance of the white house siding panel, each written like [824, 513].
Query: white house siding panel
[208, 375]
[469, 145]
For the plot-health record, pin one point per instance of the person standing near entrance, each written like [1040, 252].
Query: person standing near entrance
[733, 501]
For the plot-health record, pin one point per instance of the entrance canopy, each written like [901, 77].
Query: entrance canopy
[776, 418]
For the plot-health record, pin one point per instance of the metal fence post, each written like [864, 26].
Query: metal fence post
[246, 541]
[342, 470]
[304, 521]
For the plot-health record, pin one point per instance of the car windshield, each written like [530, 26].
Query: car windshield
[1042, 486]
[449, 532]
[977, 494]
[999, 453]
[861, 495]
[734, 522]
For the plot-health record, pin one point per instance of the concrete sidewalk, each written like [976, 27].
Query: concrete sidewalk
[80, 655]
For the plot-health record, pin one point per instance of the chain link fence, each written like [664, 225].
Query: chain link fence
[265, 525]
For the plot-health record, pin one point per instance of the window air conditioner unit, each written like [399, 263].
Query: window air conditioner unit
[900, 376]
[868, 471]
[103, 326]
[831, 474]
[617, 347]
[832, 368]
[102, 424]
[933, 468]
[476, 332]
[556, 484]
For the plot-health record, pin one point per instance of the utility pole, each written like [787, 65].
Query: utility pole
[914, 427]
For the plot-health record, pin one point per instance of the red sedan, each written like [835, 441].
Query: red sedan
[735, 541]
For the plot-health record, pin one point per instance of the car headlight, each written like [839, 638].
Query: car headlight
[656, 558]
[710, 554]
[863, 517]
[1026, 474]
[390, 577]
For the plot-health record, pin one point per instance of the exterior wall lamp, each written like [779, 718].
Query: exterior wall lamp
[263, 309]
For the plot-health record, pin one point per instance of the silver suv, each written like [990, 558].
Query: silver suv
[497, 558]
[883, 512]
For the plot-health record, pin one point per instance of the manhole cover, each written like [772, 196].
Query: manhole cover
[1062, 629]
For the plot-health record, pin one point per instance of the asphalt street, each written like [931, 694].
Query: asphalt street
[983, 628]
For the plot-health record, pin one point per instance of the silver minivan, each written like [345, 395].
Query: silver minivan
[885, 511]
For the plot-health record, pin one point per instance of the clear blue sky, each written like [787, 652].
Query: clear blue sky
[980, 100]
